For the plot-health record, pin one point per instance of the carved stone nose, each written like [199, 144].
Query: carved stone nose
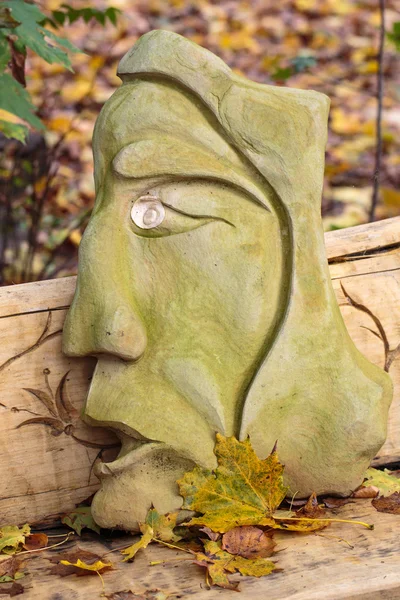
[113, 328]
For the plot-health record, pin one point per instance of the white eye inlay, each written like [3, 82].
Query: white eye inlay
[147, 212]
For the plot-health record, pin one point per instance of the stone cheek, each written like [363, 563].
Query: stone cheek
[203, 286]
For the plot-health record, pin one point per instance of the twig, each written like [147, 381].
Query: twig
[68, 535]
[378, 152]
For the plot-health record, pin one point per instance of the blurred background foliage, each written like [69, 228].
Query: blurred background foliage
[46, 183]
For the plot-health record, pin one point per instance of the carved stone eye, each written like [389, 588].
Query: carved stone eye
[147, 212]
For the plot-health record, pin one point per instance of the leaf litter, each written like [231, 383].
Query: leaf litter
[236, 508]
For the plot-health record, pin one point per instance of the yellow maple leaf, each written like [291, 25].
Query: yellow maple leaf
[243, 490]
[220, 563]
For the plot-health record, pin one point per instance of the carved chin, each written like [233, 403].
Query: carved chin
[131, 485]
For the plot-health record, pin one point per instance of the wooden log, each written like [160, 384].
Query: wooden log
[343, 562]
[46, 464]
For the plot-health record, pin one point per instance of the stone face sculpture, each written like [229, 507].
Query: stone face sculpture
[203, 286]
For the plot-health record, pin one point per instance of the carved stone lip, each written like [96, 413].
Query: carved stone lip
[109, 469]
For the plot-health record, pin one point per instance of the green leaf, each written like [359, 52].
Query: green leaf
[112, 13]
[281, 74]
[24, 12]
[394, 35]
[32, 34]
[13, 130]
[80, 518]
[5, 54]
[63, 42]
[16, 100]
[87, 13]
[59, 16]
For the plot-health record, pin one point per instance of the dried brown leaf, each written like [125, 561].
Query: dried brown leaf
[220, 564]
[336, 502]
[371, 491]
[36, 541]
[388, 504]
[9, 566]
[311, 510]
[210, 533]
[13, 589]
[249, 542]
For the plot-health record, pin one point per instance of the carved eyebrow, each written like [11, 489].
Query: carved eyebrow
[170, 156]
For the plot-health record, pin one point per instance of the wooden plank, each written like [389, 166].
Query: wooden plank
[46, 470]
[362, 238]
[39, 296]
[344, 562]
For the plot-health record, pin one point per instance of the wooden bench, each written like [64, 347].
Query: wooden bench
[46, 464]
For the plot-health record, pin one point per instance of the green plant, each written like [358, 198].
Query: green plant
[394, 35]
[22, 27]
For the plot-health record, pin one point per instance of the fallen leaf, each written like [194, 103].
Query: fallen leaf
[388, 504]
[370, 491]
[306, 525]
[162, 525]
[311, 509]
[144, 541]
[80, 518]
[36, 541]
[66, 562]
[243, 490]
[8, 578]
[211, 534]
[147, 595]
[383, 480]
[336, 502]
[15, 589]
[9, 573]
[12, 537]
[249, 542]
[97, 567]
[156, 527]
[220, 563]
[9, 567]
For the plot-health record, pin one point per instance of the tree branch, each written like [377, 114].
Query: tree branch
[378, 152]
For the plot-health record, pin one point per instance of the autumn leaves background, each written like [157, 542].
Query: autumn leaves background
[331, 46]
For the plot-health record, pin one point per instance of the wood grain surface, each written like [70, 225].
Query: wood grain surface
[46, 465]
[343, 562]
